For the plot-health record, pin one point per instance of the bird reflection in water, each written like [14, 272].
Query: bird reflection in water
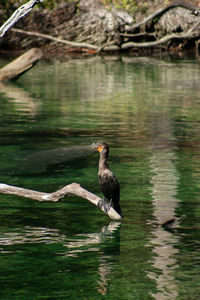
[76, 245]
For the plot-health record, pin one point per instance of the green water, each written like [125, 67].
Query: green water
[148, 111]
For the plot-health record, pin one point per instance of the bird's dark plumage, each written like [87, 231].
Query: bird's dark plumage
[107, 180]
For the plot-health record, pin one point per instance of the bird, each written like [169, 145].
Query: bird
[107, 180]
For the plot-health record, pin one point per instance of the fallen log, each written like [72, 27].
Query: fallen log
[72, 189]
[20, 65]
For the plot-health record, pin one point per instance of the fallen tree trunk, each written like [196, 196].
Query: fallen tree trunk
[73, 189]
[20, 65]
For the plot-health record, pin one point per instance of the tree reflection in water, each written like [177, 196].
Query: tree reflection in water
[164, 188]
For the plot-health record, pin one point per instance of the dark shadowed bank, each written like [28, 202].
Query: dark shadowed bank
[149, 26]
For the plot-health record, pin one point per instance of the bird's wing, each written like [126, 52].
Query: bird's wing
[109, 186]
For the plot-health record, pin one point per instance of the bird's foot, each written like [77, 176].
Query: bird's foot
[103, 203]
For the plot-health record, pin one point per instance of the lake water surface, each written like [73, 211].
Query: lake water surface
[148, 111]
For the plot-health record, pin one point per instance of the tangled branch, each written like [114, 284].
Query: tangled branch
[179, 36]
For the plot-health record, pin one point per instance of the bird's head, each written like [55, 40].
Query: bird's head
[101, 147]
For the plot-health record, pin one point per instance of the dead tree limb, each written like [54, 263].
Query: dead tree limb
[20, 65]
[55, 39]
[72, 189]
[105, 47]
[18, 14]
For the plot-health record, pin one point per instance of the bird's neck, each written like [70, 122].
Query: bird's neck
[102, 162]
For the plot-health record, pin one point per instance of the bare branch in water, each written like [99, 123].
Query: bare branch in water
[72, 189]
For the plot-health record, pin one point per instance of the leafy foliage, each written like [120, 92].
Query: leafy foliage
[128, 5]
[49, 4]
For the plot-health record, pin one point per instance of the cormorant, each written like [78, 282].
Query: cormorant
[107, 180]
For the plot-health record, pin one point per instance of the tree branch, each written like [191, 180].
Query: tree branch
[18, 14]
[184, 35]
[55, 39]
[73, 189]
[105, 47]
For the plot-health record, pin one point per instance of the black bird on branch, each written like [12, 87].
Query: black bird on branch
[107, 180]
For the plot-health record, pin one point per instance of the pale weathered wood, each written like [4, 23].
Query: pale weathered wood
[18, 14]
[73, 189]
[55, 39]
[20, 65]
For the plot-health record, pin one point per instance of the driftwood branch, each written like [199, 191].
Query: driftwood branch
[18, 14]
[20, 65]
[55, 39]
[73, 189]
[105, 47]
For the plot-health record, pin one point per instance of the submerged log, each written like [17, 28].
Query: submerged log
[73, 189]
[20, 65]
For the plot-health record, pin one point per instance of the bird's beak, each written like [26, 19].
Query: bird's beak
[98, 146]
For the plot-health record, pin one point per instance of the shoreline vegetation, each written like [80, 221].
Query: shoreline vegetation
[103, 26]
